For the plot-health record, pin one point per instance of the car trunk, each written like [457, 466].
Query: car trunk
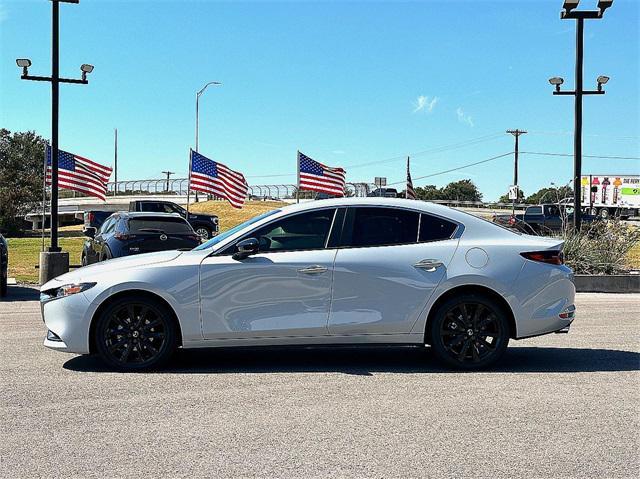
[147, 234]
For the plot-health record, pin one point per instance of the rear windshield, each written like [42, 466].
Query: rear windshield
[157, 225]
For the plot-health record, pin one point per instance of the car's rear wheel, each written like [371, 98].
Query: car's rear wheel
[3, 281]
[134, 334]
[469, 332]
[203, 232]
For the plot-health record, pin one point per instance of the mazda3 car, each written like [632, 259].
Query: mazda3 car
[348, 271]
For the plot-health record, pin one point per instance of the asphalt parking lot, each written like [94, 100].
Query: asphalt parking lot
[560, 405]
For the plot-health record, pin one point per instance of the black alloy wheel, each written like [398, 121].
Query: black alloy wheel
[135, 334]
[470, 332]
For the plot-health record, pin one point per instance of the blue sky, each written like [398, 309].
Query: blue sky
[347, 83]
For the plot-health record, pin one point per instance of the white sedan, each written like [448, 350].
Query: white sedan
[344, 271]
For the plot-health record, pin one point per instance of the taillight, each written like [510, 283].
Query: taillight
[123, 236]
[91, 217]
[549, 257]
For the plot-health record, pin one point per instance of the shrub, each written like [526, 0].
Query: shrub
[600, 248]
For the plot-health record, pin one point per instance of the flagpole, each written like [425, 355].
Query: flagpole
[115, 163]
[298, 171]
[189, 182]
[406, 188]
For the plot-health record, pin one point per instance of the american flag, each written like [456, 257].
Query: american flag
[410, 193]
[318, 177]
[215, 178]
[80, 174]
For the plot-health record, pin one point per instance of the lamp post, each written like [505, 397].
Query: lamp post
[54, 262]
[198, 95]
[569, 13]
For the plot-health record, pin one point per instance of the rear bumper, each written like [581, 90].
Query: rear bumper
[546, 297]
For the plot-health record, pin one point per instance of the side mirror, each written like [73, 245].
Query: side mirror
[246, 248]
[90, 232]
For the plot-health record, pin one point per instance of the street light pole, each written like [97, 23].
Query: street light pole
[569, 13]
[54, 262]
[198, 94]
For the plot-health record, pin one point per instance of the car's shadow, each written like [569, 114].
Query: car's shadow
[21, 293]
[366, 361]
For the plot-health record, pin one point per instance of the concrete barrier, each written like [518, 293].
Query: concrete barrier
[618, 283]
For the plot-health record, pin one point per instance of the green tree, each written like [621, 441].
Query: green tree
[550, 195]
[21, 165]
[463, 190]
[428, 193]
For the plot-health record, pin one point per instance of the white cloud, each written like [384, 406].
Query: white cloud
[425, 103]
[464, 117]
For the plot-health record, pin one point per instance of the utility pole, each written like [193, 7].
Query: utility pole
[168, 173]
[569, 13]
[54, 262]
[516, 133]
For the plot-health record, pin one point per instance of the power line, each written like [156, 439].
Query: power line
[544, 153]
[457, 168]
[593, 135]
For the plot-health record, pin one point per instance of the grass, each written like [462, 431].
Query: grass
[229, 216]
[24, 252]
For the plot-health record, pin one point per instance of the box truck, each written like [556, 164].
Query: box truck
[611, 195]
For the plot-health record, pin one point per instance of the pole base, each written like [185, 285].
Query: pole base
[53, 264]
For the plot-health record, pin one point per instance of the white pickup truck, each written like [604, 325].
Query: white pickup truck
[611, 195]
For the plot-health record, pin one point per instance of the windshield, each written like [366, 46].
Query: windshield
[222, 236]
[163, 225]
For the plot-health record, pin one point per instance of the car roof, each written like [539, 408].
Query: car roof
[424, 206]
[146, 214]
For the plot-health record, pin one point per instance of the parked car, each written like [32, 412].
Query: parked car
[124, 234]
[205, 225]
[384, 192]
[342, 271]
[4, 265]
[541, 219]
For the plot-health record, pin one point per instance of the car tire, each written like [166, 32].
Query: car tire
[83, 260]
[135, 334]
[604, 213]
[469, 331]
[3, 282]
[106, 255]
[204, 232]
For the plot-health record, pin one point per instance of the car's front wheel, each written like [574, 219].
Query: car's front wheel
[134, 334]
[3, 281]
[469, 332]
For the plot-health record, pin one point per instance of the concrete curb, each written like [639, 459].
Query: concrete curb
[618, 283]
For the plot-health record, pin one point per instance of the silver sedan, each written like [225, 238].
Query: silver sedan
[344, 271]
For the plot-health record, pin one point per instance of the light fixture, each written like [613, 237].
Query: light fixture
[601, 81]
[86, 68]
[603, 5]
[569, 5]
[556, 81]
[24, 63]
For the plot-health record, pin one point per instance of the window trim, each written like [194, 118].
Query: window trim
[228, 250]
[456, 234]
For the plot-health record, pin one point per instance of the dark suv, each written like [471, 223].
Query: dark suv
[125, 233]
[4, 266]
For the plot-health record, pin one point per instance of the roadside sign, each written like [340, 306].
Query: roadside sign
[513, 192]
[380, 181]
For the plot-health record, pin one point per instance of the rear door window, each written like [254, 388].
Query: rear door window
[159, 225]
[433, 228]
[375, 226]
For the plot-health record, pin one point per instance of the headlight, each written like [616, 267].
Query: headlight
[65, 290]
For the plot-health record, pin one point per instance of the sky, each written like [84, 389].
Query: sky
[355, 84]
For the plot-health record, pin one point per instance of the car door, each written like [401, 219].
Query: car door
[98, 241]
[283, 291]
[389, 263]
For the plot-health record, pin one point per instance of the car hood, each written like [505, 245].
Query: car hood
[87, 272]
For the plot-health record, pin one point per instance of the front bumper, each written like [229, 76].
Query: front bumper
[67, 324]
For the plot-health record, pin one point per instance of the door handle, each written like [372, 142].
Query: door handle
[428, 264]
[315, 269]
